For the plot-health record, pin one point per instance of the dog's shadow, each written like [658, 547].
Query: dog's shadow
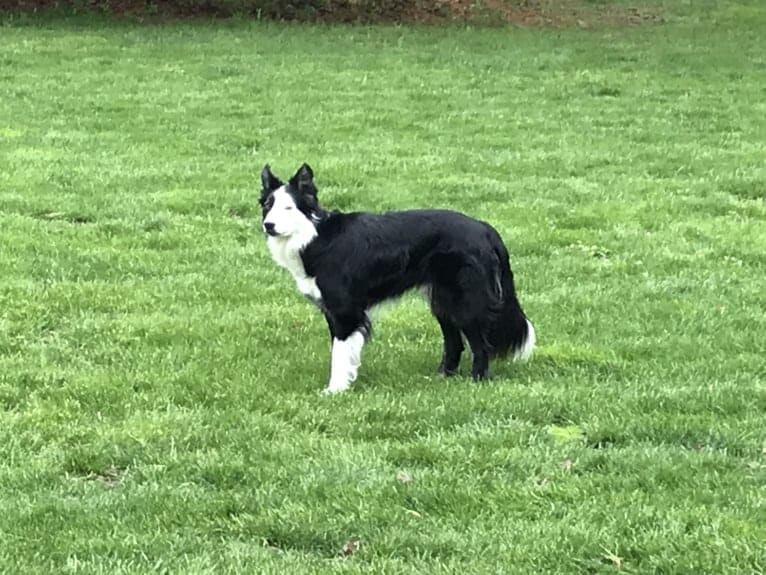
[403, 369]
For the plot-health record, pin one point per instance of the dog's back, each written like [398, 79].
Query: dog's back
[462, 262]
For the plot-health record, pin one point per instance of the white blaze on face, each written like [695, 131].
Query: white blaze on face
[285, 216]
[294, 232]
[346, 358]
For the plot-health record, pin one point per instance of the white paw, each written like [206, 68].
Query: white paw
[331, 389]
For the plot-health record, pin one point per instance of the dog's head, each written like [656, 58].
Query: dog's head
[291, 208]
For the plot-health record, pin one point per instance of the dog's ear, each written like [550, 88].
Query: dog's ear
[303, 180]
[270, 181]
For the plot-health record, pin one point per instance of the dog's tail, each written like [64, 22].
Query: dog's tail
[510, 331]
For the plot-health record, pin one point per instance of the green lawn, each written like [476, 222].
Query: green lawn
[160, 407]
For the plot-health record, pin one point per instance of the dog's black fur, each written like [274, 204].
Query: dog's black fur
[361, 259]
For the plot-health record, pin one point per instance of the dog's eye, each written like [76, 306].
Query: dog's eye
[288, 208]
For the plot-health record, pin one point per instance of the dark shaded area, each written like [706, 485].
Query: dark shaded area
[557, 13]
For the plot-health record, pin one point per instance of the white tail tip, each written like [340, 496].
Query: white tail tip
[526, 349]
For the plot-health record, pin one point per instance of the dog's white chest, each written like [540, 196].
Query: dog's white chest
[286, 252]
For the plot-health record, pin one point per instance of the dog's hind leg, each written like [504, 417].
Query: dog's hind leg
[453, 346]
[480, 350]
[441, 299]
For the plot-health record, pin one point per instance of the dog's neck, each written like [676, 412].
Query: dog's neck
[319, 215]
[286, 252]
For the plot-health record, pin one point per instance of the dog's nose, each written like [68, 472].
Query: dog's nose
[269, 227]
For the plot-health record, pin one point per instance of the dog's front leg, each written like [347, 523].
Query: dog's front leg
[346, 358]
[348, 335]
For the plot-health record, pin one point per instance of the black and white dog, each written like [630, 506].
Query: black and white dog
[347, 263]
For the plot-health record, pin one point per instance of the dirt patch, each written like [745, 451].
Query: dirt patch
[525, 13]
[64, 217]
[557, 13]
[111, 476]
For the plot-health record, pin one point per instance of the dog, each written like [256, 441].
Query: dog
[346, 263]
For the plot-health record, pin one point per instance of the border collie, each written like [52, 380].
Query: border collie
[347, 263]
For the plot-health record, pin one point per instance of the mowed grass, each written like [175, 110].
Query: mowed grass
[160, 377]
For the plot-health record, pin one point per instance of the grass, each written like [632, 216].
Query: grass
[159, 376]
